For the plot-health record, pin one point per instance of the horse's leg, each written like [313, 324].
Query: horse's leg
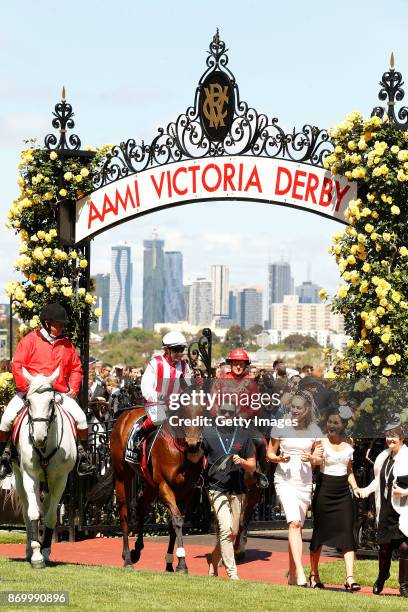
[170, 548]
[169, 499]
[120, 489]
[143, 504]
[32, 491]
[56, 487]
[22, 495]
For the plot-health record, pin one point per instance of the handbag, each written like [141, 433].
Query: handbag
[402, 482]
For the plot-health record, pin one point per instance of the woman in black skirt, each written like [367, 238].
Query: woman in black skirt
[332, 502]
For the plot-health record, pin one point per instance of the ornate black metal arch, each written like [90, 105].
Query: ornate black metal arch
[249, 132]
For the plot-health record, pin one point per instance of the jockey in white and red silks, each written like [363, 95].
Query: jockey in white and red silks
[163, 376]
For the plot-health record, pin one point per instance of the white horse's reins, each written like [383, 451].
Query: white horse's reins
[44, 460]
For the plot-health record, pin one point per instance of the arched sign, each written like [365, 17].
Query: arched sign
[219, 149]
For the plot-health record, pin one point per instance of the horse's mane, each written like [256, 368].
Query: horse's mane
[39, 383]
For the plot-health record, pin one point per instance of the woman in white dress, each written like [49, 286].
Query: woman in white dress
[300, 448]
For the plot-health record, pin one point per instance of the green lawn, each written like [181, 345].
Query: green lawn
[96, 588]
[12, 537]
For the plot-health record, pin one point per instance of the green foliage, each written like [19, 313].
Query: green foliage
[372, 252]
[300, 342]
[51, 273]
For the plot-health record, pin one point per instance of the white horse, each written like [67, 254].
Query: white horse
[47, 453]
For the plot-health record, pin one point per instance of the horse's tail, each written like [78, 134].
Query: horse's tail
[102, 491]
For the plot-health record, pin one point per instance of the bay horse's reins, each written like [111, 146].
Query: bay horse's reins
[44, 460]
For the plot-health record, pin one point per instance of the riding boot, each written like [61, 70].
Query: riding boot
[146, 427]
[403, 577]
[85, 465]
[5, 455]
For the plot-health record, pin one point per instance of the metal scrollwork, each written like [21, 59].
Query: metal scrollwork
[199, 353]
[391, 89]
[250, 133]
[63, 121]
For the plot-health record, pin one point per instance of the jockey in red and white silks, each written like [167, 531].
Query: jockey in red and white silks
[42, 351]
[161, 378]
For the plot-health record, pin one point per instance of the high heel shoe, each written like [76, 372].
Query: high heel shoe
[354, 586]
[316, 585]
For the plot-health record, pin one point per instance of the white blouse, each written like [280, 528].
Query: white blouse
[295, 442]
[335, 463]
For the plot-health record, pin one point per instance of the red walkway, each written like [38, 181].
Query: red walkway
[260, 565]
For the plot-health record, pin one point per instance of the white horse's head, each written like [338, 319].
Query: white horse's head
[40, 396]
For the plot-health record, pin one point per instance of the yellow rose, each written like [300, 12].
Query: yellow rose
[386, 371]
[68, 176]
[78, 178]
[386, 338]
[376, 361]
[391, 360]
[39, 288]
[342, 291]
[63, 192]
[84, 172]
[395, 210]
[98, 312]
[83, 263]
[403, 251]
[322, 294]
[53, 155]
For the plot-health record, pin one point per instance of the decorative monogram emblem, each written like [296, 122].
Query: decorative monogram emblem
[214, 104]
[217, 105]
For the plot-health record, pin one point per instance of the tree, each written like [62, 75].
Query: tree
[300, 342]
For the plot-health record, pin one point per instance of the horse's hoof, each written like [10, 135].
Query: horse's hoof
[135, 555]
[169, 567]
[38, 564]
[128, 566]
[182, 569]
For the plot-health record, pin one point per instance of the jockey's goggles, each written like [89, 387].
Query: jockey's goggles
[180, 348]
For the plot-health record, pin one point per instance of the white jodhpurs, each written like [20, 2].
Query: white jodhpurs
[157, 412]
[15, 405]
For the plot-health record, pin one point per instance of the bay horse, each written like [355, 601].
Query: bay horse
[171, 478]
[47, 452]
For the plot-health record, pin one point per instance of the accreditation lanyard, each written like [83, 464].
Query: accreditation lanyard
[390, 465]
[227, 452]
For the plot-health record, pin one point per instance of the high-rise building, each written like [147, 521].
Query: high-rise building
[280, 282]
[200, 302]
[120, 288]
[173, 287]
[153, 282]
[232, 305]
[250, 307]
[308, 293]
[186, 297]
[295, 316]
[102, 285]
[220, 286]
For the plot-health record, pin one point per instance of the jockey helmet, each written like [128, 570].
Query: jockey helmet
[174, 338]
[238, 354]
[54, 312]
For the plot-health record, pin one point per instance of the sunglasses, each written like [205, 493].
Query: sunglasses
[178, 349]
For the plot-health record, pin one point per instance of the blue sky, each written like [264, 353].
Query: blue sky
[130, 67]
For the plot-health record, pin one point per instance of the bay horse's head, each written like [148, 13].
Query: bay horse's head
[192, 414]
[40, 403]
